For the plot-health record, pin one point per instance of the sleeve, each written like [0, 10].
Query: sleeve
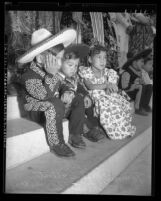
[39, 87]
[125, 78]
[84, 73]
[112, 76]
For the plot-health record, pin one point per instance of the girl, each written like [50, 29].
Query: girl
[113, 109]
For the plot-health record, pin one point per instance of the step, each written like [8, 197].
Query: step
[26, 140]
[13, 111]
[88, 172]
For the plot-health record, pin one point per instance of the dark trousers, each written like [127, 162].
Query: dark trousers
[76, 116]
[146, 95]
[91, 120]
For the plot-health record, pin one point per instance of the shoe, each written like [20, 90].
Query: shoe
[141, 112]
[96, 134]
[62, 150]
[76, 141]
[148, 109]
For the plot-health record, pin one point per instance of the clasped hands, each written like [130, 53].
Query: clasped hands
[111, 88]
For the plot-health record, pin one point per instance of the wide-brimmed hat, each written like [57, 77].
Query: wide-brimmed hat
[81, 49]
[42, 40]
[132, 57]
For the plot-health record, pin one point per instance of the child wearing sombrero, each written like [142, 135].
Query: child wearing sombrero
[131, 81]
[41, 83]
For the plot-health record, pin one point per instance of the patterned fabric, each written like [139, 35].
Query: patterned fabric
[40, 89]
[114, 111]
[35, 88]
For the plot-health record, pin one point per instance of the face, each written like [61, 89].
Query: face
[69, 67]
[148, 66]
[138, 64]
[50, 61]
[99, 61]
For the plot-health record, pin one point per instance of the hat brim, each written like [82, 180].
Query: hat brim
[81, 49]
[140, 55]
[65, 37]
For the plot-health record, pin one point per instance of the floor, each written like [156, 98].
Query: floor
[135, 180]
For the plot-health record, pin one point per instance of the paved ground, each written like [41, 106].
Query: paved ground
[135, 180]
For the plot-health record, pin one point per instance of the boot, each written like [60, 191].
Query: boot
[96, 134]
[62, 150]
[76, 141]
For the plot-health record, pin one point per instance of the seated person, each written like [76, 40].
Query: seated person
[76, 98]
[41, 81]
[131, 81]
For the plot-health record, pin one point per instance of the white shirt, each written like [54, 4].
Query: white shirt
[145, 77]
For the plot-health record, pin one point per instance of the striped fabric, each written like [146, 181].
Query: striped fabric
[77, 17]
[97, 25]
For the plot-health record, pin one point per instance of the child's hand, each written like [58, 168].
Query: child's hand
[87, 102]
[67, 97]
[50, 64]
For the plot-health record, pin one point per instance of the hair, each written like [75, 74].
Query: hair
[70, 55]
[147, 59]
[96, 50]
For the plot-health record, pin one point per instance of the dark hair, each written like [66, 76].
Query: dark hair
[96, 50]
[147, 59]
[71, 55]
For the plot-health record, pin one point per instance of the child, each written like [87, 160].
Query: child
[41, 81]
[74, 96]
[111, 108]
[131, 82]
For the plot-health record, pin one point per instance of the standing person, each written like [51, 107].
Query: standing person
[112, 109]
[41, 81]
[75, 97]
[131, 82]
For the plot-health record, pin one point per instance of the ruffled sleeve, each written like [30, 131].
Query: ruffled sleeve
[112, 76]
[85, 72]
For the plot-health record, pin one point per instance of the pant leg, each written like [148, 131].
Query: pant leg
[53, 114]
[146, 95]
[91, 120]
[53, 126]
[77, 116]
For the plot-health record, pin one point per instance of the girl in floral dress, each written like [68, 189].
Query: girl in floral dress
[111, 107]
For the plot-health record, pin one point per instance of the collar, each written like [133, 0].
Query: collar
[138, 73]
[37, 68]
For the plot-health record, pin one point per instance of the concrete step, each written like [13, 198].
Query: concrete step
[89, 172]
[13, 111]
[26, 140]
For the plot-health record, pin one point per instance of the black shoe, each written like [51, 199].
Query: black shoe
[62, 150]
[76, 141]
[148, 109]
[141, 112]
[96, 134]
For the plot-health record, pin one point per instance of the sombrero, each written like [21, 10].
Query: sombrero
[42, 40]
[81, 49]
[132, 57]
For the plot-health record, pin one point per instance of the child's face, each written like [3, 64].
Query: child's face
[138, 64]
[99, 60]
[148, 66]
[69, 67]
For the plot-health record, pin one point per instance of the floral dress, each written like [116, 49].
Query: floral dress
[114, 110]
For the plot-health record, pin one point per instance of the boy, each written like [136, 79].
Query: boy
[76, 98]
[42, 81]
[131, 82]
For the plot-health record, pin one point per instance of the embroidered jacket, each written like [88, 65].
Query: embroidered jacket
[39, 86]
